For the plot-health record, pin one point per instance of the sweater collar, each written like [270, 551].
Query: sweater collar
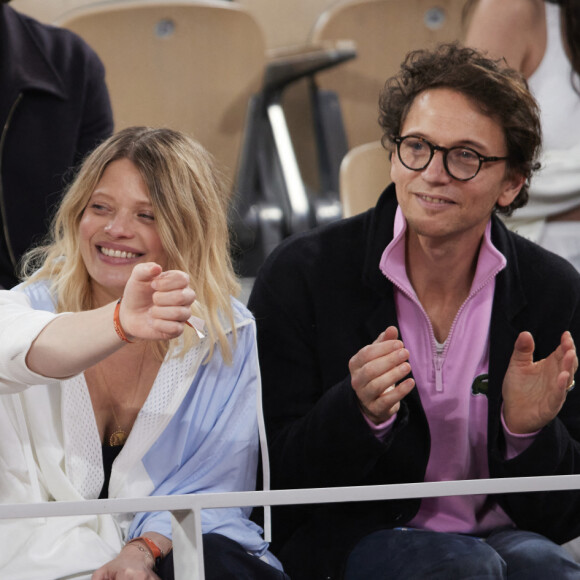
[380, 224]
[393, 263]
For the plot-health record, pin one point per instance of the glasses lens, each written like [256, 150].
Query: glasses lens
[414, 153]
[462, 162]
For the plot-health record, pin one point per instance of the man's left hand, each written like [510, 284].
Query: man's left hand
[534, 392]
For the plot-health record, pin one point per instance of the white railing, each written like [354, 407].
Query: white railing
[186, 509]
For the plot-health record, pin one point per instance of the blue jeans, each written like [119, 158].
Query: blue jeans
[408, 554]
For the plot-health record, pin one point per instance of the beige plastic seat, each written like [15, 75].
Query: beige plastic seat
[384, 31]
[286, 23]
[47, 10]
[187, 64]
[364, 174]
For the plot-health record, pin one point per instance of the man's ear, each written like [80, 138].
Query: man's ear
[511, 186]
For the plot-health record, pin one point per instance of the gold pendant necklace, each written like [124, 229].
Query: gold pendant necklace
[120, 436]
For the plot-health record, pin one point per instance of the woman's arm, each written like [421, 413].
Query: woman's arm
[155, 306]
[514, 30]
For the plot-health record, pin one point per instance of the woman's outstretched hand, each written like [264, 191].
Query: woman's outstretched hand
[156, 305]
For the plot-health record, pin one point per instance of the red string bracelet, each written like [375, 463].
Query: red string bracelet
[117, 323]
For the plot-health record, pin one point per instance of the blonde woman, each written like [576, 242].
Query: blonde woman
[127, 369]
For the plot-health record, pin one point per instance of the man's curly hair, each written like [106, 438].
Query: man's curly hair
[499, 91]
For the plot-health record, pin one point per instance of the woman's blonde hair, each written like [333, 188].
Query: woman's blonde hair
[190, 208]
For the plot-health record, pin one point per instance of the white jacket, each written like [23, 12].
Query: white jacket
[197, 431]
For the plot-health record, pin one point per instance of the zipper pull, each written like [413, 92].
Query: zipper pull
[438, 373]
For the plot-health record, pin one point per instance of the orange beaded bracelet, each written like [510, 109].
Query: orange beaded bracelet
[117, 323]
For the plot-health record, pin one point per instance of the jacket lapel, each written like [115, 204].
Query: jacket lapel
[509, 300]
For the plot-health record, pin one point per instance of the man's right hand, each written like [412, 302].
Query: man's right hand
[375, 372]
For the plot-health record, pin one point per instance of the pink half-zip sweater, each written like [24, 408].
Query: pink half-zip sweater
[451, 380]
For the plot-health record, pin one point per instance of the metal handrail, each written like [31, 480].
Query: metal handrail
[186, 509]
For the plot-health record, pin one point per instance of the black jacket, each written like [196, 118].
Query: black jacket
[54, 109]
[318, 299]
